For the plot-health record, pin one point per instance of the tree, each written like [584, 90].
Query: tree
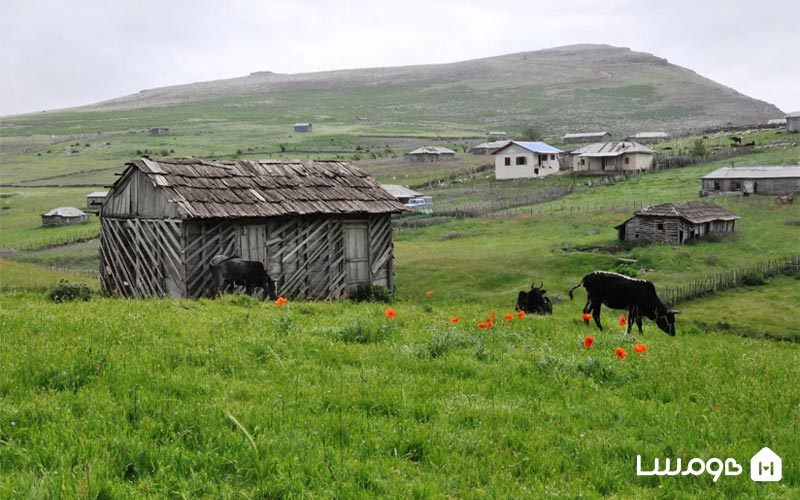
[698, 148]
[532, 133]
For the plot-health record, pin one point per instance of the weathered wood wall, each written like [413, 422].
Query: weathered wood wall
[672, 230]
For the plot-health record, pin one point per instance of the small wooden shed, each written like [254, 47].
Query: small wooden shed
[793, 122]
[767, 180]
[319, 227]
[159, 131]
[302, 127]
[676, 223]
[95, 200]
[64, 216]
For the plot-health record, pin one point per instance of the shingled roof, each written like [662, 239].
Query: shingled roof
[266, 188]
[695, 212]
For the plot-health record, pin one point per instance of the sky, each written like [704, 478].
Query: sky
[65, 53]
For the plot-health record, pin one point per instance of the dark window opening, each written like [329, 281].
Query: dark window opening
[521, 160]
[508, 161]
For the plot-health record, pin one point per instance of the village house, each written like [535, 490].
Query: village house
[496, 136]
[793, 122]
[64, 216]
[583, 137]
[612, 157]
[766, 180]
[403, 194]
[95, 200]
[159, 131]
[302, 127]
[649, 137]
[320, 228]
[429, 154]
[676, 224]
[525, 160]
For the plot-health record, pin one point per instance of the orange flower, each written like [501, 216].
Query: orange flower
[521, 314]
[620, 352]
[483, 325]
[490, 321]
[494, 313]
[639, 348]
[390, 313]
[509, 316]
[429, 293]
[588, 342]
[281, 301]
[586, 316]
[623, 321]
[455, 320]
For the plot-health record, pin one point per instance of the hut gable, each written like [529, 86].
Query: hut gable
[677, 223]
[319, 228]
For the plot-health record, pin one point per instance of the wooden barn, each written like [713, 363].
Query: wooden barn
[64, 216]
[766, 180]
[320, 228]
[675, 224]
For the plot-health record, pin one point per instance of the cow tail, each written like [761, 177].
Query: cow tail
[573, 288]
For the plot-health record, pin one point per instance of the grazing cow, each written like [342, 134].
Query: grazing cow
[617, 291]
[230, 272]
[781, 200]
[534, 302]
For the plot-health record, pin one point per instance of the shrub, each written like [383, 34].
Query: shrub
[362, 333]
[367, 292]
[753, 278]
[64, 291]
[627, 270]
[440, 343]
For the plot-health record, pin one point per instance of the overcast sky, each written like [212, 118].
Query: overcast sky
[62, 53]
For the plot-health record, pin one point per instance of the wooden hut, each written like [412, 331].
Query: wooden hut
[64, 216]
[676, 223]
[95, 200]
[320, 228]
[767, 180]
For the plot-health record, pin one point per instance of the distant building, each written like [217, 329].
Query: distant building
[429, 154]
[302, 127]
[95, 200]
[402, 193]
[64, 216]
[793, 122]
[487, 147]
[496, 135]
[525, 160]
[582, 137]
[675, 224]
[767, 180]
[612, 157]
[776, 122]
[649, 137]
[159, 131]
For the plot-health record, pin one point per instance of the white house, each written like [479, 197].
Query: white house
[525, 160]
[612, 156]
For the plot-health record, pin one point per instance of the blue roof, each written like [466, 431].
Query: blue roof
[538, 147]
[535, 147]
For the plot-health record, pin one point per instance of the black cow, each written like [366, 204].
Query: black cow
[617, 291]
[534, 302]
[230, 272]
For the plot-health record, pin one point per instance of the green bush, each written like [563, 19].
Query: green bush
[753, 278]
[367, 292]
[64, 291]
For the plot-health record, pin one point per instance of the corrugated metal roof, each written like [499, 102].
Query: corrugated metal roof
[599, 149]
[588, 135]
[755, 172]
[696, 212]
[651, 135]
[205, 189]
[535, 147]
[400, 191]
[795, 114]
[97, 194]
[65, 212]
[432, 150]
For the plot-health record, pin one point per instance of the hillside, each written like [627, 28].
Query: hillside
[565, 88]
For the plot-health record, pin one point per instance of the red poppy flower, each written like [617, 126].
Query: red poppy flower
[588, 342]
[490, 322]
[620, 352]
[281, 301]
[390, 313]
[483, 325]
[494, 313]
[639, 348]
[586, 316]
[623, 321]
[509, 316]
[521, 314]
[429, 293]
[455, 320]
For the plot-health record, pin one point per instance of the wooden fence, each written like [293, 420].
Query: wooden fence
[730, 279]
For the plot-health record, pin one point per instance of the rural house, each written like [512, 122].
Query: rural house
[612, 157]
[675, 224]
[302, 127]
[776, 180]
[319, 227]
[486, 148]
[496, 135]
[429, 154]
[583, 137]
[159, 131]
[525, 160]
[793, 122]
[64, 216]
[649, 137]
[95, 200]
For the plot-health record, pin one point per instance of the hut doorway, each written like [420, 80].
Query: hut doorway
[356, 253]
